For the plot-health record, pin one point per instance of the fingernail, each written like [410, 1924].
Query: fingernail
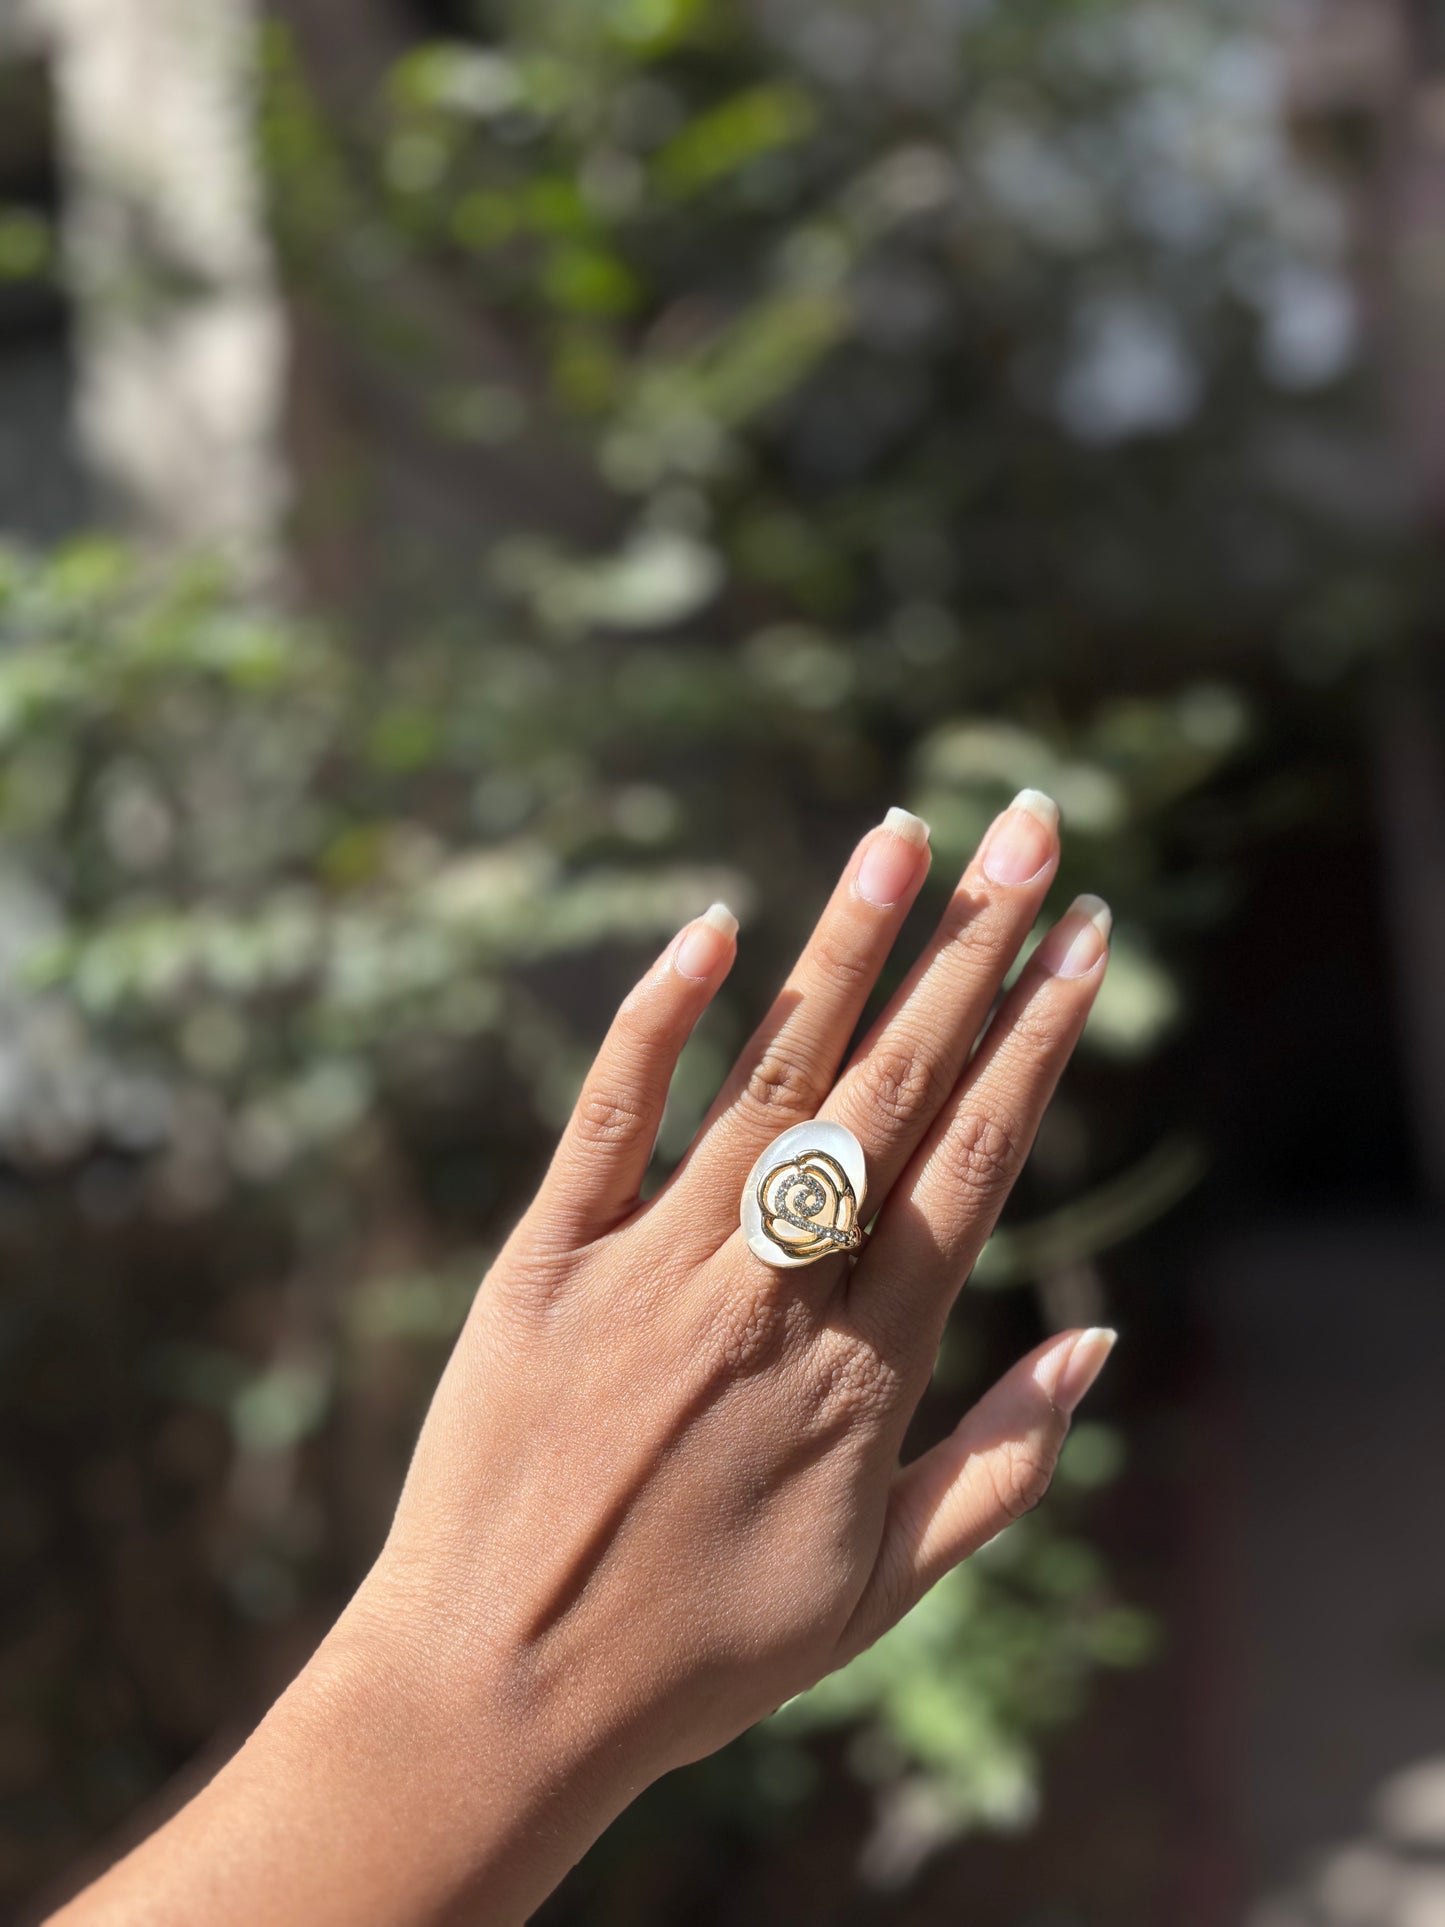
[1022, 840]
[1067, 1372]
[1078, 939]
[707, 942]
[892, 859]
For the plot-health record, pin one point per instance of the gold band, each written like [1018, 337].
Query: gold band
[808, 1207]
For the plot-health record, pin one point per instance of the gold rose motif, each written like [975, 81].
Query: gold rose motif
[808, 1206]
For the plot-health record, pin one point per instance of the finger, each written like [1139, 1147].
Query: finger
[787, 1067]
[995, 1466]
[906, 1068]
[945, 1205]
[597, 1171]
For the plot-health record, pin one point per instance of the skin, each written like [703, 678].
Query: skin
[658, 1490]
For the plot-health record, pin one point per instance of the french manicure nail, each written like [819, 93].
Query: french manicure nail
[1022, 840]
[892, 859]
[1078, 939]
[707, 942]
[1083, 1365]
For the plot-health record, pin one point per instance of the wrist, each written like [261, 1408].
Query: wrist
[454, 1774]
[394, 1780]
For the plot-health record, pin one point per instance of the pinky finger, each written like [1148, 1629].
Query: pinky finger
[996, 1465]
[599, 1165]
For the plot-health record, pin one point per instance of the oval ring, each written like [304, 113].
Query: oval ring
[804, 1197]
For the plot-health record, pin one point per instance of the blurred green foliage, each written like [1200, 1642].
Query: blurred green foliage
[923, 398]
[26, 244]
[999, 1652]
[264, 855]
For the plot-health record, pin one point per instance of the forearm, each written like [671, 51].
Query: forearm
[378, 1790]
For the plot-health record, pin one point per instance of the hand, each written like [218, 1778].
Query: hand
[658, 1491]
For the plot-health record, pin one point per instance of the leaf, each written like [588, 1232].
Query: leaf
[715, 145]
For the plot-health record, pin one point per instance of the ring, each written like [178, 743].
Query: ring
[804, 1196]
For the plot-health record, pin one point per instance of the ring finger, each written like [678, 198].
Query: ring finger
[947, 1200]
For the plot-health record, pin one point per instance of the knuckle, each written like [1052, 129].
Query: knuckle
[747, 1334]
[779, 1085]
[610, 1119]
[852, 1385]
[838, 959]
[1036, 1028]
[531, 1283]
[899, 1085]
[981, 1153]
[1022, 1472]
[977, 933]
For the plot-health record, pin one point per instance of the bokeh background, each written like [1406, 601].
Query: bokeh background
[480, 479]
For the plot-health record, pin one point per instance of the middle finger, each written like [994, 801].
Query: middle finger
[788, 1065]
[905, 1069]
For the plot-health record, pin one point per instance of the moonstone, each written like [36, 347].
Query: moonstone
[834, 1141]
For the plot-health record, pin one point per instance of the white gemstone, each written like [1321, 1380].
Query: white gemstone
[834, 1141]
